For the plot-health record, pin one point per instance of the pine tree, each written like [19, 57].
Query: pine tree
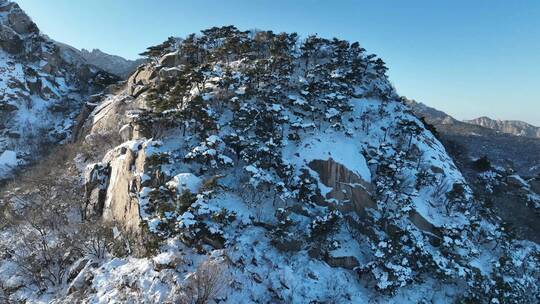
[156, 51]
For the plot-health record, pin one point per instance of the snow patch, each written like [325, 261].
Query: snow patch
[185, 181]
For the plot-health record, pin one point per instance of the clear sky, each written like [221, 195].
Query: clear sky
[467, 57]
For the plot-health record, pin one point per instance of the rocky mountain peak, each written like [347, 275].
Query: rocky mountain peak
[16, 29]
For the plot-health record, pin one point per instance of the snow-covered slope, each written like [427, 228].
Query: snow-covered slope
[253, 167]
[41, 88]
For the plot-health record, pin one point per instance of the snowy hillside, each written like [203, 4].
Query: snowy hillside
[41, 89]
[258, 167]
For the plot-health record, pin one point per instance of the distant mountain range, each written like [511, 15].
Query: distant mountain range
[514, 127]
[506, 143]
[113, 64]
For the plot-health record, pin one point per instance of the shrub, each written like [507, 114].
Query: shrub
[184, 201]
[482, 164]
[321, 226]
[205, 284]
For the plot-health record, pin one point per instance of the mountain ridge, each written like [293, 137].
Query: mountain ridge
[514, 127]
[113, 64]
[474, 141]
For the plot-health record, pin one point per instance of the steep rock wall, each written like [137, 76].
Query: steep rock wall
[347, 186]
[115, 198]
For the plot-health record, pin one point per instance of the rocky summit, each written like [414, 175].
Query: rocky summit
[247, 167]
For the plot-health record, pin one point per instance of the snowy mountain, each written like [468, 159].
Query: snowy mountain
[41, 89]
[257, 167]
[514, 127]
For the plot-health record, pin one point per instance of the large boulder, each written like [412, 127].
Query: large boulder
[140, 80]
[112, 186]
[170, 60]
[347, 262]
[170, 73]
[121, 204]
[96, 183]
[110, 116]
[10, 40]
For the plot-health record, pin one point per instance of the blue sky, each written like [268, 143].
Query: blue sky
[467, 58]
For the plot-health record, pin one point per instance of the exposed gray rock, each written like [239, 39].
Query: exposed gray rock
[345, 184]
[347, 262]
[111, 188]
[121, 204]
[126, 132]
[139, 81]
[168, 73]
[10, 41]
[20, 22]
[96, 183]
[170, 60]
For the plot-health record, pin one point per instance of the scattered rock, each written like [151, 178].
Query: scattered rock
[347, 262]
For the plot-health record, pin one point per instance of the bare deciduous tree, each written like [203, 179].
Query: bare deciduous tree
[205, 284]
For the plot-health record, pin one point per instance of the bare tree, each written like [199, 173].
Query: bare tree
[94, 239]
[205, 284]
